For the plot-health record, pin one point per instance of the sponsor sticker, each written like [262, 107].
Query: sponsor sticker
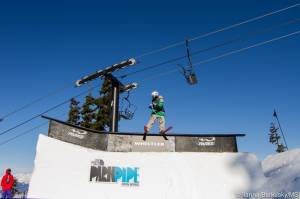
[124, 175]
[77, 133]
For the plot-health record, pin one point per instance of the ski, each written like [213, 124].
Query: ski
[162, 133]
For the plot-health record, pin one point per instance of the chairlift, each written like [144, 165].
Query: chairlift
[127, 108]
[188, 72]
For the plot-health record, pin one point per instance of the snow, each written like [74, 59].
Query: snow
[23, 177]
[23, 184]
[283, 172]
[62, 170]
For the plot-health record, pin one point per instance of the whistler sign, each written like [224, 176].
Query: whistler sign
[151, 144]
[113, 174]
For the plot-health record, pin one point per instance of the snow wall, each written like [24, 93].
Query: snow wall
[64, 170]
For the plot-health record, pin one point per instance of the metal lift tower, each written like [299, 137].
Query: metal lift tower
[116, 85]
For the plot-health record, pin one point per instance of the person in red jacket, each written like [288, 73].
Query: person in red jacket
[7, 183]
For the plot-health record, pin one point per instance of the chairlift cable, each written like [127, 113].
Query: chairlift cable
[238, 39]
[25, 132]
[218, 30]
[225, 54]
[46, 111]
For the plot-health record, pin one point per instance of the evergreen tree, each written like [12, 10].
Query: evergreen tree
[275, 138]
[74, 113]
[95, 112]
[87, 112]
[103, 107]
[280, 148]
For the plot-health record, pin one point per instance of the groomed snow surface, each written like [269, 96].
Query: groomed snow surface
[62, 170]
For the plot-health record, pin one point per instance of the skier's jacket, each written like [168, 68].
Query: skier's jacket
[158, 106]
[7, 181]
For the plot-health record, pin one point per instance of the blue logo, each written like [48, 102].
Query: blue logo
[113, 174]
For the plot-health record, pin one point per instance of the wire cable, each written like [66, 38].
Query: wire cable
[238, 39]
[218, 30]
[25, 132]
[48, 110]
[247, 48]
[64, 87]
[225, 54]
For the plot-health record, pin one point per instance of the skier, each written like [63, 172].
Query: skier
[7, 183]
[157, 113]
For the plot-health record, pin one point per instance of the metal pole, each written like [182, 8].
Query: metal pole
[275, 115]
[115, 106]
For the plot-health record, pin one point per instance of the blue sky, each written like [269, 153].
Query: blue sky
[47, 44]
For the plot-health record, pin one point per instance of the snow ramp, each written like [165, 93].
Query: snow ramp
[64, 170]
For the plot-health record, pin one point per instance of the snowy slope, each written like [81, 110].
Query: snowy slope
[62, 170]
[22, 185]
[283, 172]
[23, 177]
